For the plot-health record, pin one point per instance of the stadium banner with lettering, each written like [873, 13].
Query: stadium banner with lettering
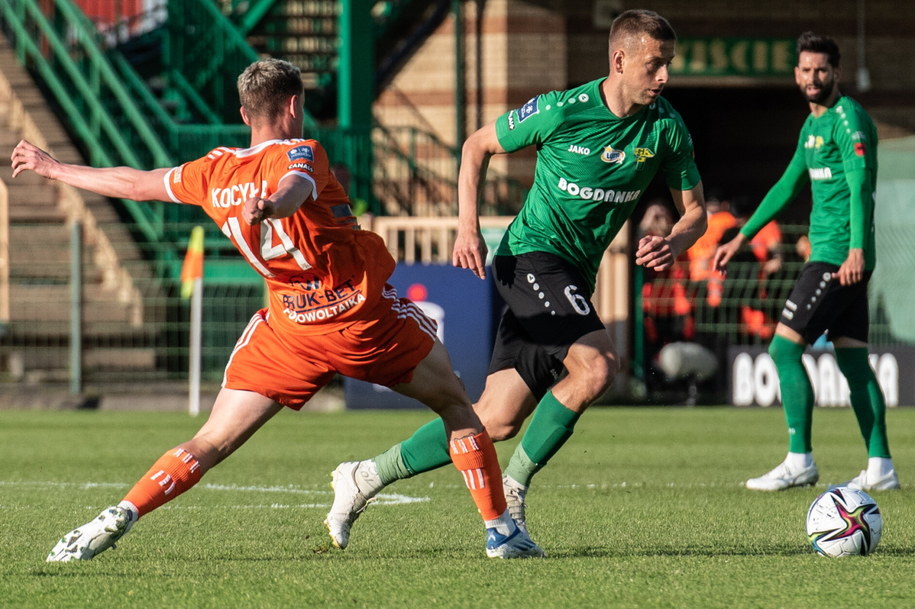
[753, 381]
[747, 57]
[466, 310]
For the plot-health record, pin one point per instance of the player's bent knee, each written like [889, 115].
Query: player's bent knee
[596, 377]
[501, 430]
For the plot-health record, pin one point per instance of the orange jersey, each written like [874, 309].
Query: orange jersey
[702, 251]
[766, 240]
[322, 271]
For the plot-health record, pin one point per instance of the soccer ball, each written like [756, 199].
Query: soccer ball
[844, 522]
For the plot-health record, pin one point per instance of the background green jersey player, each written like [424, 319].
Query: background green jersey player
[598, 147]
[837, 155]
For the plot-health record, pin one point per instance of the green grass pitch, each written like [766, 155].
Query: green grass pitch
[643, 508]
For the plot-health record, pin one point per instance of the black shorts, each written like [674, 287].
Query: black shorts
[818, 304]
[549, 308]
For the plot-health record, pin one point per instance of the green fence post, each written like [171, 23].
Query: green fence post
[357, 91]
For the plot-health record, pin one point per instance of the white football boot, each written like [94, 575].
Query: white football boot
[94, 537]
[783, 477]
[515, 545]
[865, 482]
[349, 499]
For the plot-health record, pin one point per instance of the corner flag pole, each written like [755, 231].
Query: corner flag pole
[192, 286]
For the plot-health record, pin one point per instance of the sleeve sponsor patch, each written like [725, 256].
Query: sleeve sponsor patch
[528, 110]
[860, 149]
[301, 152]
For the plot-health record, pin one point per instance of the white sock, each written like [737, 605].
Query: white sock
[367, 478]
[130, 507]
[799, 460]
[878, 467]
[503, 524]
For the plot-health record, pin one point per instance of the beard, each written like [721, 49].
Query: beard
[821, 96]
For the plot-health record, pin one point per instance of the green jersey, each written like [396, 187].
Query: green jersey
[837, 154]
[592, 167]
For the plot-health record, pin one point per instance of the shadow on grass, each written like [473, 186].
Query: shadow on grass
[705, 552]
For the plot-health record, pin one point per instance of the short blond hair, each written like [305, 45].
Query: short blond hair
[265, 87]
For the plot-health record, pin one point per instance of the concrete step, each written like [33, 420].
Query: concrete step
[55, 332]
[51, 302]
[118, 337]
[112, 358]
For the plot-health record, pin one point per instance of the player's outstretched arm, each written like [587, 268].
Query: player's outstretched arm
[469, 247]
[120, 182]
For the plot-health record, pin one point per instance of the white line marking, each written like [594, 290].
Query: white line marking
[380, 499]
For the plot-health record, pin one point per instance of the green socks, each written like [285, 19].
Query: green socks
[797, 395]
[866, 399]
[797, 392]
[550, 427]
[425, 450]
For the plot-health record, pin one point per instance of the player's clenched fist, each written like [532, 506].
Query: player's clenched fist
[256, 210]
[27, 156]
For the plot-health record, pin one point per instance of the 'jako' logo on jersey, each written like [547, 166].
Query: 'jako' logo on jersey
[612, 155]
[642, 154]
[589, 193]
[579, 149]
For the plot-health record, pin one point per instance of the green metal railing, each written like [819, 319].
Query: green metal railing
[117, 119]
[62, 48]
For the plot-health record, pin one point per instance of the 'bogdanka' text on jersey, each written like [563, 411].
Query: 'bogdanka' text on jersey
[842, 139]
[320, 268]
[592, 167]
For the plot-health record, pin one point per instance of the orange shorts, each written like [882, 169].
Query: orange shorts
[291, 369]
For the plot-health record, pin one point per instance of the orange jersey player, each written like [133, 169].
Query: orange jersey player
[330, 311]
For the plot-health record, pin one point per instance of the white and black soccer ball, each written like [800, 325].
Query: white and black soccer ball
[844, 522]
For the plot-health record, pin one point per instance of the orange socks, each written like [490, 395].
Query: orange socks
[475, 457]
[175, 472]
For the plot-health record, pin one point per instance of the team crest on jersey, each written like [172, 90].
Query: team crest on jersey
[642, 154]
[612, 155]
[301, 152]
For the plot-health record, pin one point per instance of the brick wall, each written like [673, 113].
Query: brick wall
[538, 45]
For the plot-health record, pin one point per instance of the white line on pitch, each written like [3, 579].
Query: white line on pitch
[380, 499]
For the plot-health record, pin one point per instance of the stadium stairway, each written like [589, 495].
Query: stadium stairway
[116, 322]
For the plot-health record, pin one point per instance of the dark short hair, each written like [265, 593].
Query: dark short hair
[814, 43]
[641, 21]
